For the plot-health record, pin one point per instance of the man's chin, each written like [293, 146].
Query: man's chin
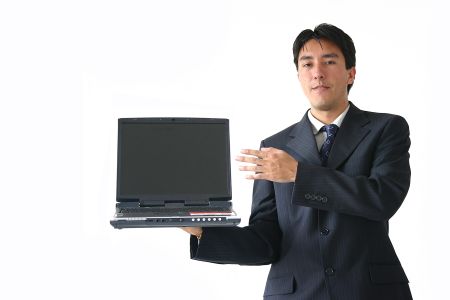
[325, 104]
[322, 105]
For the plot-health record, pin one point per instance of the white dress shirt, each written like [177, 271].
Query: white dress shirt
[316, 125]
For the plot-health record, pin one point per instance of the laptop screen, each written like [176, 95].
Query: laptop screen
[172, 158]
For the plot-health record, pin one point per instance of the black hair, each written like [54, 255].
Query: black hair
[333, 34]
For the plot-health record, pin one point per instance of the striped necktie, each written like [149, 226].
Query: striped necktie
[331, 131]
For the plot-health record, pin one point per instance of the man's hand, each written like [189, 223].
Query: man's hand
[197, 231]
[270, 164]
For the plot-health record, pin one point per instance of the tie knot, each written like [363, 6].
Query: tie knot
[331, 129]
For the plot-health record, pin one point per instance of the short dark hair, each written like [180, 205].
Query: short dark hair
[333, 34]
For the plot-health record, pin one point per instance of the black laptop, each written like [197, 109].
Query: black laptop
[173, 172]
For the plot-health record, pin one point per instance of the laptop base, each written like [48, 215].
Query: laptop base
[191, 221]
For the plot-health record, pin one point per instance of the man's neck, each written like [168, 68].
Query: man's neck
[328, 116]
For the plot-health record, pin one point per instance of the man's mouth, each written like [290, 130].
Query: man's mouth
[320, 87]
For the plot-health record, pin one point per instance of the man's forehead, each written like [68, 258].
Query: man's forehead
[319, 47]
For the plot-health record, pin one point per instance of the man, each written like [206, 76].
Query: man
[324, 190]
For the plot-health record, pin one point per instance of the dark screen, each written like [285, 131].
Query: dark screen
[174, 158]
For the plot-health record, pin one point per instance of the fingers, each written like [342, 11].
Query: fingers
[249, 159]
[256, 159]
[252, 152]
[256, 176]
[193, 230]
[251, 168]
[268, 164]
[258, 153]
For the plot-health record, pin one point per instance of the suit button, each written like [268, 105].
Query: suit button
[324, 231]
[329, 271]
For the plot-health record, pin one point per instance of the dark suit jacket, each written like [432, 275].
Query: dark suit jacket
[326, 234]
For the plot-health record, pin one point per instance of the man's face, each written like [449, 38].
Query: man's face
[323, 76]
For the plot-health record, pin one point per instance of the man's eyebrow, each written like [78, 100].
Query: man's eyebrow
[330, 55]
[305, 57]
[327, 55]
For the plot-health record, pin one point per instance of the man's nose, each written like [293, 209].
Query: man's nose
[317, 72]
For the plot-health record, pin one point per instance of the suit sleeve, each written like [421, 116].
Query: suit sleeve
[256, 244]
[375, 197]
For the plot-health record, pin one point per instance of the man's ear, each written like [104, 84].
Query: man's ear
[351, 75]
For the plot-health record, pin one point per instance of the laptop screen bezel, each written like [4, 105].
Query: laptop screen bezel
[161, 199]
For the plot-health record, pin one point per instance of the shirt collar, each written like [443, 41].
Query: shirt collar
[316, 124]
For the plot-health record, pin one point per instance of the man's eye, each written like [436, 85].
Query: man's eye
[330, 62]
[307, 65]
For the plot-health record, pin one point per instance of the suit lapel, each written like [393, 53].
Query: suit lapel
[303, 143]
[351, 132]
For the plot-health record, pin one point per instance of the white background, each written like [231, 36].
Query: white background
[69, 69]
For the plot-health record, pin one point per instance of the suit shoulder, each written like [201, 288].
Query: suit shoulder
[381, 115]
[385, 118]
[280, 137]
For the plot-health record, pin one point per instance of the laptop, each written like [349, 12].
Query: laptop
[173, 172]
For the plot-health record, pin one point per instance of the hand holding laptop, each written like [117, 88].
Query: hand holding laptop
[197, 231]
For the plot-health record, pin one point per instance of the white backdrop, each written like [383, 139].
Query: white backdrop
[69, 69]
